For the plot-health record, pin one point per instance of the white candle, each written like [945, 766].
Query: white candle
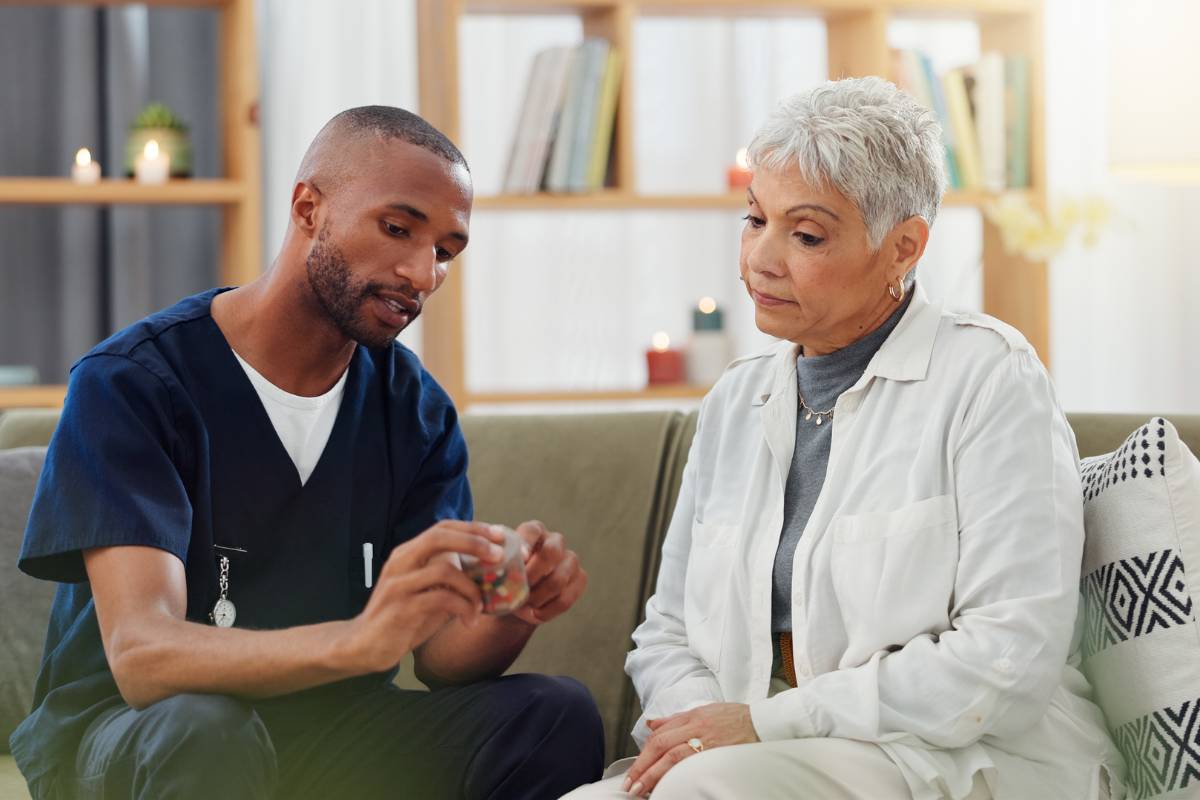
[153, 165]
[84, 170]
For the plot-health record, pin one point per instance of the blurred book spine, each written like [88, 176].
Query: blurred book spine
[983, 109]
[563, 139]
[18, 375]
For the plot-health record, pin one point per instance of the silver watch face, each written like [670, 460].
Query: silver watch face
[224, 614]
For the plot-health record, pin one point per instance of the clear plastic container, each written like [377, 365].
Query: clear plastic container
[504, 586]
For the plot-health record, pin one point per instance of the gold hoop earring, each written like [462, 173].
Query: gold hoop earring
[898, 296]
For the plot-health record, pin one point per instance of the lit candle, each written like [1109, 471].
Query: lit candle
[709, 350]
[84, 169]
[153, 165]
[738, 176]
[707, 317]
[663, 364]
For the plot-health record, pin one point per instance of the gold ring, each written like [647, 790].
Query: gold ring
[695, 744]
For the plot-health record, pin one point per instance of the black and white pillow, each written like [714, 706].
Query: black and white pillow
[1141, 587]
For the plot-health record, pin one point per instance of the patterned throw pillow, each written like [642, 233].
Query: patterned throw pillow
[1141, 585]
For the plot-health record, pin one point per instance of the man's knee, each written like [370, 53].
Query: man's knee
[200, 729]
[566, 707]
[566, 732]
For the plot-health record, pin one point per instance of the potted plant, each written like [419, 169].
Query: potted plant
[159, 123]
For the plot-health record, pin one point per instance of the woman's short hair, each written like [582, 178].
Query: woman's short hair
[865, 138]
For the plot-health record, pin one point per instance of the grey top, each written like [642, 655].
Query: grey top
[821, 380]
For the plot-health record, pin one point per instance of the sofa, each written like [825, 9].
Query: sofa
[608, 481]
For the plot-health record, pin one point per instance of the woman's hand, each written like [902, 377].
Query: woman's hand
[715, 725]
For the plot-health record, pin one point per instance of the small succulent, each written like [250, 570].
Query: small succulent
[158, 115]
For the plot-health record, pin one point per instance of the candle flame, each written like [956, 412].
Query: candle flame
[151, 151]
[661, 341]
[707, 305]
[83, 157]
[742, 159]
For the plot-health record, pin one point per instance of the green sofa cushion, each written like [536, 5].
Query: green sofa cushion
[24, 601]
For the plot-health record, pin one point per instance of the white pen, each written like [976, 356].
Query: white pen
[368, 558]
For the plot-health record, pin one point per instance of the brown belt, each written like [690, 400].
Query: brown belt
[785, 654]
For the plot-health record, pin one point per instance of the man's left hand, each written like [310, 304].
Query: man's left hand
[556, 579]
[715, 725]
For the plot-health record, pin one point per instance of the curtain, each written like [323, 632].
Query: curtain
[76, 77]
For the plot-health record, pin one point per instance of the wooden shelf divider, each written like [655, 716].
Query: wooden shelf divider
[63, 191]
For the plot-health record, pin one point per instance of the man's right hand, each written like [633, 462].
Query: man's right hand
[419, 590]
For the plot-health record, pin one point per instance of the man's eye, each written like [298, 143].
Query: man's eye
[394, 229]
[444, 255]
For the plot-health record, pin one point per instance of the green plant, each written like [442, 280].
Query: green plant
[158, 115]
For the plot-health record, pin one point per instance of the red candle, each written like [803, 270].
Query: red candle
[663, 364]
[738, 176]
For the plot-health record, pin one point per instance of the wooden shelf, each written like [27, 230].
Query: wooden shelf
[32, 396]
[239, 195]
[617, 200]
[857, 41]
[743, 8]
[60, 191]
[671, 392]
[166, 3]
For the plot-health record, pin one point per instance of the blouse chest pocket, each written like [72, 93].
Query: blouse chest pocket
[893, 574]
[707, 584]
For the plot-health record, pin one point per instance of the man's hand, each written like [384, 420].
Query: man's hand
[420, 588]
[556, 580]
[715, 725]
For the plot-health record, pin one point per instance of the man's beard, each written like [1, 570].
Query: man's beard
[343, 298]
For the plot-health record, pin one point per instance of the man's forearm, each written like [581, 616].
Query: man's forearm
[459, 654]
[164, 656]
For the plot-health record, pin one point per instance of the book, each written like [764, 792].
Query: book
[18, 375]
[953, 176]
[538, 120]
[595, 59]
[558, 170]
[520, 151]
[989, 121]
[606, 113]
[958, 105]
[1016, 90]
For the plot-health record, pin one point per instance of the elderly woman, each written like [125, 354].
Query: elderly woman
[869, 586]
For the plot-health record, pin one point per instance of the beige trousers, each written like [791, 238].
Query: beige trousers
[794, 769]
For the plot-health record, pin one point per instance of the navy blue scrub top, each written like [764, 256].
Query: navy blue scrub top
[163, 442]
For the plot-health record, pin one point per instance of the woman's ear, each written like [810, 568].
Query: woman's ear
[908, 244]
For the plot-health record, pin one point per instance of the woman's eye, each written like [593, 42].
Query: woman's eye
[753, 221]
[809, 240]
[394, 229]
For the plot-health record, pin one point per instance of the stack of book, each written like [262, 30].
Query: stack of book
[984, 111]
[564, 133]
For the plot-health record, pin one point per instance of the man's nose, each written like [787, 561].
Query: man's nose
[421, 270]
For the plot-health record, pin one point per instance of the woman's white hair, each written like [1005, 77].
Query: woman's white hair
[865, 138]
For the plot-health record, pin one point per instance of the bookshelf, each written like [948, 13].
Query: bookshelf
[238, 194]
[1014, 289]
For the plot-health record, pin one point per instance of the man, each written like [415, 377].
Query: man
[253, 503]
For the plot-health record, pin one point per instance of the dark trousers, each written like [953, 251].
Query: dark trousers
[520, 736]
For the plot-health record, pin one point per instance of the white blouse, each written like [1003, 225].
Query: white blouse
[935, 586]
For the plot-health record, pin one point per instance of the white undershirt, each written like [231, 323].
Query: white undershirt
[303, 424]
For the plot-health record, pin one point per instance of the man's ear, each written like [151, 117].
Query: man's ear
[305, 200]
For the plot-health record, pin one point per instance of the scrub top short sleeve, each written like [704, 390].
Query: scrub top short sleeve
[109, 477]
[441, 490]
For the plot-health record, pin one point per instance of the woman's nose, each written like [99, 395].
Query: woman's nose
[763, 256]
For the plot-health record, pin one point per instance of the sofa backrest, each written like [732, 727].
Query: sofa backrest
[608, 482]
